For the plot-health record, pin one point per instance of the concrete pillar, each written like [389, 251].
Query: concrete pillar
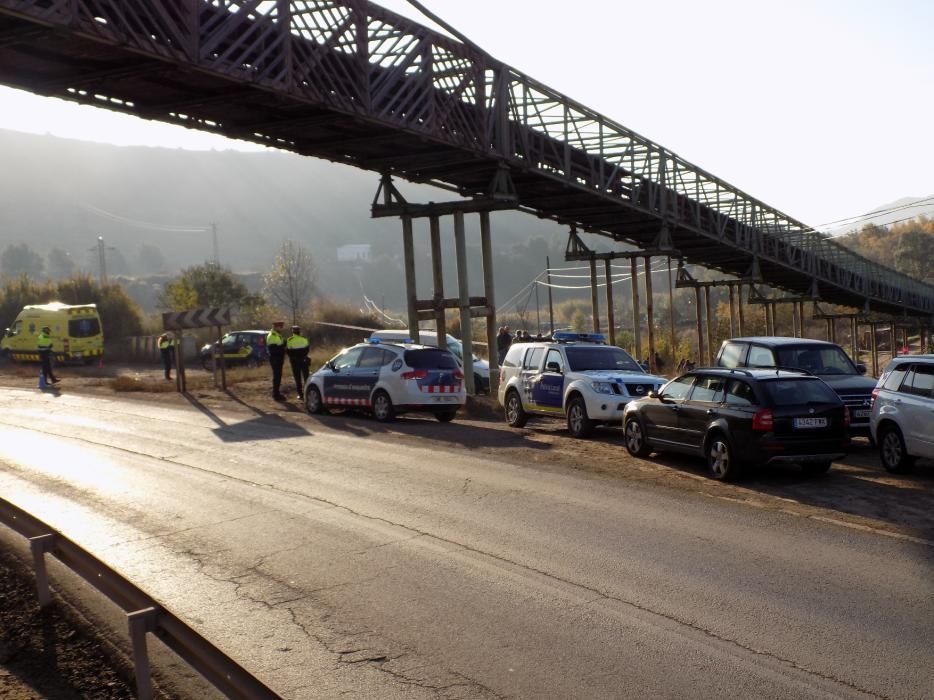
[636, 326]
[463, 290]
[742, 314]
[874, 348]
[802, 323]
[610, 320]
[710, 322]
[829, 323]
[795, 327]
[594, 299]
[408, 254]
[486, 252]
[649, 307]
[732, 311]
[438, 279]
[700, 326]
[854, 339]
[671, 316]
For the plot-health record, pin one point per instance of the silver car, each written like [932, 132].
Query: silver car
[902, 419]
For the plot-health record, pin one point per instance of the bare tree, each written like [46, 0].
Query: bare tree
[292, 280]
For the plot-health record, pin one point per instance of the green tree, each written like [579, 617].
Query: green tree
[20, 259]
[60, 264]
[207, 286]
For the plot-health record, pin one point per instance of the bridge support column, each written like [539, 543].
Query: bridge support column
[594, 298]
[438, 280]
[732, 311]
[802, 324]
[650, 317]
[874, 349]
[700, 331]
[463, 290]
[829, 323]
[636, 325]
[408, 253]
[854, 339]
[710, 320]
[610, 320]
[671, 317]
[486, 253]
[742, 314]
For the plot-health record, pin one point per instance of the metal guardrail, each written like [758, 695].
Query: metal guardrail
[143, 613]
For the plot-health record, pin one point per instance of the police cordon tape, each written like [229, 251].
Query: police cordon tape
[373, 330]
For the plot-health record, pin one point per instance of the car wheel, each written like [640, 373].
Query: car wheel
[445, 416]
[382, 407]
[478, 384]
[816, 468]
[720, 460]
[635, 438]
[515, 414]
[892, 450]
[208, 363]
[313, 401]
[579, 425]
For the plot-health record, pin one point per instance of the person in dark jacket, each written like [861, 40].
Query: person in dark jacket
[275, 344]
[297, 349]
[503, 341]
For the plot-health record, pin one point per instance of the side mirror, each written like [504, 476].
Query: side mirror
[860, 368]
[553, 367]
[330, 366]
[652, 394]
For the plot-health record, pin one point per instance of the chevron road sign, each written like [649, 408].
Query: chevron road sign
[196, 318]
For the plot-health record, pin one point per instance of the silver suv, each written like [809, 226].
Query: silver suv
[902, 420]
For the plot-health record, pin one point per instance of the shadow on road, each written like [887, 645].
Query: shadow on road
[265, 426]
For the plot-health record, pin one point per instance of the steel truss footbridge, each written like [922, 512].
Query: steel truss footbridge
[349, 81]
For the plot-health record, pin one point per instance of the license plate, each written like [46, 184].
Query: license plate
[810, 423]
[76, 355]
[862, 414]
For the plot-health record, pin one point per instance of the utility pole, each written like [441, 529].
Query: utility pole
[101, 251]
[217, 254]
[551, 308]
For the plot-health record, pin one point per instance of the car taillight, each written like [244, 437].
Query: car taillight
[415, 374]
[846, 415]
[458, 374]
[875, 393]
[763, 420]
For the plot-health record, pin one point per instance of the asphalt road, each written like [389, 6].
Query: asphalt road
[331, 559]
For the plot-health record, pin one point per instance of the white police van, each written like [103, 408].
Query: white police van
[387, 379]
[575, 375]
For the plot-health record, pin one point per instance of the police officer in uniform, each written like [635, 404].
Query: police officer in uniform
[167, 349]
[276, 346]
[44, 344]
[297, 347]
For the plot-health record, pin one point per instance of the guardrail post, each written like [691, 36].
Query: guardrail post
[39, 546]
[140, 622]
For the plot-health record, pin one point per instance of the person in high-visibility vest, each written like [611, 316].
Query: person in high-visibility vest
[298, 347]
[167, 349]
[44, 345]
[275, 344]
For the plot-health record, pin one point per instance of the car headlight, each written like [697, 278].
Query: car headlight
[602, 387]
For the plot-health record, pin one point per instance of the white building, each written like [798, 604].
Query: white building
[354, 252]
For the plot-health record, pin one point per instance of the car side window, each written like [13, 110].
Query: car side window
[371, 357]
[555, 356]
[708, 389]
[896, 375]
[760, 357]
[739, 393]
[678, 388]
[732, 355]
[920, 381]
[514, 356]
[348, 359]
[533, 359]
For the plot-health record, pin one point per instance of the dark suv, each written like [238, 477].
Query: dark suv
[740, 416]
[825, 360]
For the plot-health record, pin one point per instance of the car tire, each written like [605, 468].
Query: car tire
[720, 459]
[516, 416]
[892, 451]
[208, 363]
[636, 444]
[579, 425]
[445, 416]
[382, 407]
[816, 468]
[313, 401]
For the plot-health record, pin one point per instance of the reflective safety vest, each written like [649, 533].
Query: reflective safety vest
[273, 338]
[297, 342]
[44, 342]
[166, 342]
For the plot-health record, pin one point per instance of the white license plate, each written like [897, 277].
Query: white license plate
[862, 414]
[444, 399]
[810, 422]
[76, 355]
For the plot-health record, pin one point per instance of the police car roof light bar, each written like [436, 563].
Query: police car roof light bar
[569, 337]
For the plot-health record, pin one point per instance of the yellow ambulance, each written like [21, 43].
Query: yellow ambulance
[75, 331]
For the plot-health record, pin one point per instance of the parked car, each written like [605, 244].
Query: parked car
[239, 348]
[739, 417]
[902, 421]
[825, 360]
[481, 368]
[387, 379]
[577, 376]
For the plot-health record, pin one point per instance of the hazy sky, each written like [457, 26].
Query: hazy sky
[820, 108]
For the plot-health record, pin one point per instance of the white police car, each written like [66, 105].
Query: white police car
[387, 379]
[576, 375]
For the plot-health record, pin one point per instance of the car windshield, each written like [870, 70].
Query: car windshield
[457, 348]
[792, 392]
[816, 359]
[430, 358]
[581, 359]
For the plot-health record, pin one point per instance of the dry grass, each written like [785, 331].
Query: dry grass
[195, 379]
